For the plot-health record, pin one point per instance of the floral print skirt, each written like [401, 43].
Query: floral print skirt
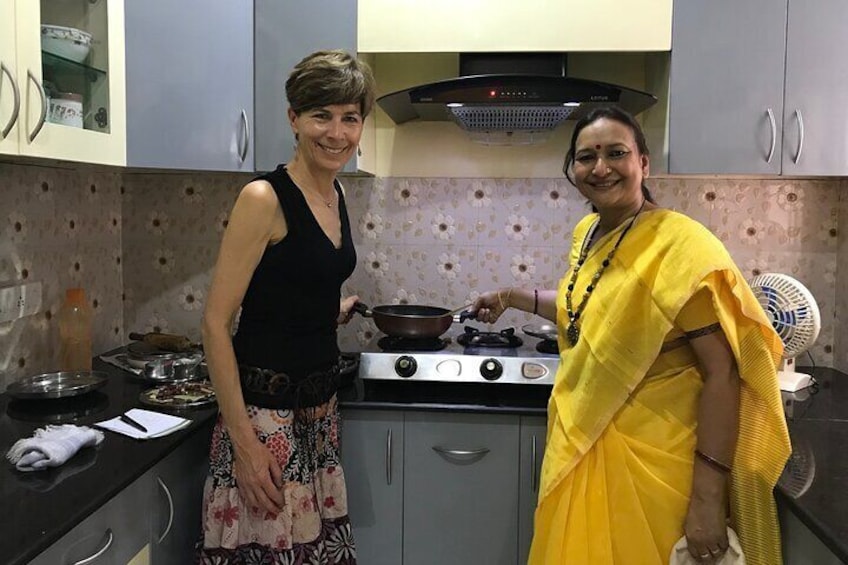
[313, 526]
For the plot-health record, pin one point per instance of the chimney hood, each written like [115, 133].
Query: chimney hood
[510, 98]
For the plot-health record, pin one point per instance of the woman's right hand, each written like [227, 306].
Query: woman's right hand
[490, 305]
[258, 477]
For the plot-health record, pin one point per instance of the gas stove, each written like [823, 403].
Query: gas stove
[463, 356]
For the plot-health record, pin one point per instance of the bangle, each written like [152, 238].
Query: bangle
[504, 305]
[535, 301]
[714, 463]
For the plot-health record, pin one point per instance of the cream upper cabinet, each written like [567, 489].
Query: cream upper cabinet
[10, 92]
[413, 26]
[71, 100]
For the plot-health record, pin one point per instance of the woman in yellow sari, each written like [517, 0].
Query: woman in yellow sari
[665, 419]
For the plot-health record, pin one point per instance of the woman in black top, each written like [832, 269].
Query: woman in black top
[276, 491]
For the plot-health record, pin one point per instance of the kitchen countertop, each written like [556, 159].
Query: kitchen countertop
[40, 507]
[818, 426]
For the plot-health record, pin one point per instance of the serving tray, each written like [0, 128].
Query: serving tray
[61, 384]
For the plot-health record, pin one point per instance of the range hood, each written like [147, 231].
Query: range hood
[510, 98]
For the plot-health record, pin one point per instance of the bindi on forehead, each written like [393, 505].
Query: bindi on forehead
[597, 147]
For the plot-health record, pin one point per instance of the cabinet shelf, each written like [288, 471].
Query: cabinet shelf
[62, 65]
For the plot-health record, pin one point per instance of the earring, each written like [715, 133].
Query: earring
[359, 151]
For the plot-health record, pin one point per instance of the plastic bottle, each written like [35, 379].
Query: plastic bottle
[75, 332]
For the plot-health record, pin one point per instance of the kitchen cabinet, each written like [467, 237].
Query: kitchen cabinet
[372, 446]
[189, 74]
[532, 442]
[446, 26]
[33, 80]
[460, 495]
[116, 533]
[751, 91]
[285, 33]
[800, 545]
[178, 482]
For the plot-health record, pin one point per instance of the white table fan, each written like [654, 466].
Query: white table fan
[796, 318]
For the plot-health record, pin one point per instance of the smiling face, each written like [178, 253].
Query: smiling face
[608, 167]
[327, 136]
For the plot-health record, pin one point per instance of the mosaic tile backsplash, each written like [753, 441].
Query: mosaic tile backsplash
[143, 245]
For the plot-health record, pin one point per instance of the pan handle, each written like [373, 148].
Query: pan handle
[464, 315]
[363, 309]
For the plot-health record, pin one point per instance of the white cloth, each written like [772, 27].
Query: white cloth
[733, 555]
[51, 446]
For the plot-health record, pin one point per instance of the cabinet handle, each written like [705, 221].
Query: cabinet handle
[534, 483]
[464, 453]
[245, 128]
[17, 96]
[773, 134]
[800, 136]
[43, 115]
[100, 552]
[389, 457]
[167, 492]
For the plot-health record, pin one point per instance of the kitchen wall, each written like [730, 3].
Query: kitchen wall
[143, 244]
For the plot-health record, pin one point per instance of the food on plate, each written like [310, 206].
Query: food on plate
[180, 394]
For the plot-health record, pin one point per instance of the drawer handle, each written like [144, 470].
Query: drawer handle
[16, 94]
[534, 482]
[462, 453]
[102, 550]
[167, 492]
[43, 115]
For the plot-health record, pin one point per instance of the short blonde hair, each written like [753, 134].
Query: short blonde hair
[330, 77]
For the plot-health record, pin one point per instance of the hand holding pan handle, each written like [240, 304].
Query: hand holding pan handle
[362, 308]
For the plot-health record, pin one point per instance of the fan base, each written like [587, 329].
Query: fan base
[791, 381]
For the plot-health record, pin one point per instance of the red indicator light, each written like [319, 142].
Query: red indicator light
[492, 93]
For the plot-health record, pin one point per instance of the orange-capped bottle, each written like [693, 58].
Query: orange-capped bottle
[75, 319]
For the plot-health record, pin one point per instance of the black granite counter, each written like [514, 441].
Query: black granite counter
[815, 484]
[41, 506]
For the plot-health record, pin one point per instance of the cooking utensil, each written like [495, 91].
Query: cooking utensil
[166, 342]
[411, 320]
[140, 353]
[57, 385]
[544, 331]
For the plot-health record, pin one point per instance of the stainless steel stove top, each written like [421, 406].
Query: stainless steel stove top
[461, 364]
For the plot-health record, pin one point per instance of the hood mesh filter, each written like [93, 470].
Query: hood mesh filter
[510, 118]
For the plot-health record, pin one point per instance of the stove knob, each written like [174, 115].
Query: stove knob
[491, 369]
[405, 366]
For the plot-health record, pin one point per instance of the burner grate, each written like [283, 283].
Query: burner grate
[476, 338]
[547, 346]
[400, 344]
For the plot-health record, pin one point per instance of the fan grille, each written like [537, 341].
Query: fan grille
[790, 308]
[510, 118]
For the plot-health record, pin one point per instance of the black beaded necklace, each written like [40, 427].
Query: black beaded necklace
[572, 331]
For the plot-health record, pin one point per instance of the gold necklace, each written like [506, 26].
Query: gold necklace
[299, 184]
[572, 331]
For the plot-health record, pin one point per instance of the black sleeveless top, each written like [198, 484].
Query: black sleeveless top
[290, 308]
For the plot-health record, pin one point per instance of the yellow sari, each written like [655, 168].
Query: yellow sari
[622, 418]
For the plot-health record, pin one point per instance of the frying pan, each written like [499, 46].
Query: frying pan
[411, 320]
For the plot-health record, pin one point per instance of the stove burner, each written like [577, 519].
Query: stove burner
[547, 346]
[395, 343]
[503, 338]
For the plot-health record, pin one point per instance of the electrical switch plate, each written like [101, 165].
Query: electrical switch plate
[19, 300]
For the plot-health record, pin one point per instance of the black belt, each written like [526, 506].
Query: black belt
[267, 388]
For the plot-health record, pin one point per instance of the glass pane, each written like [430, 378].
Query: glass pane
[75, 62]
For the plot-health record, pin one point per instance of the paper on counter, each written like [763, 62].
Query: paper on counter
[157, 424]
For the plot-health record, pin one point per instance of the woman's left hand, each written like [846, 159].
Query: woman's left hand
[706, 530]
[346, 309]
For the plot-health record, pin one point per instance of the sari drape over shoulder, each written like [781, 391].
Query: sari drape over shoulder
[622, 418]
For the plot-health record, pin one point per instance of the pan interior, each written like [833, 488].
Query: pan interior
[411, 310]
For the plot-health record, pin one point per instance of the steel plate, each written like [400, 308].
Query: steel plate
[545, 331]
[57, 385]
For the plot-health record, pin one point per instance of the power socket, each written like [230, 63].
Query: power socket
[19, 300]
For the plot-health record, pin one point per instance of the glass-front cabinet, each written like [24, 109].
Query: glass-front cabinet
[65, 81]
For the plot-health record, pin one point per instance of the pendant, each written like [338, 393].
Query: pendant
[572, 333]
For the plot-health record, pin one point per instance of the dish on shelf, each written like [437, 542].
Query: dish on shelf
[66, 42]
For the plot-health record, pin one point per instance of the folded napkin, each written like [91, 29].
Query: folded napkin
[733, 555]
[51, 446]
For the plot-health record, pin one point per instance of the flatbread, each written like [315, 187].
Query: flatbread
[180, 395]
